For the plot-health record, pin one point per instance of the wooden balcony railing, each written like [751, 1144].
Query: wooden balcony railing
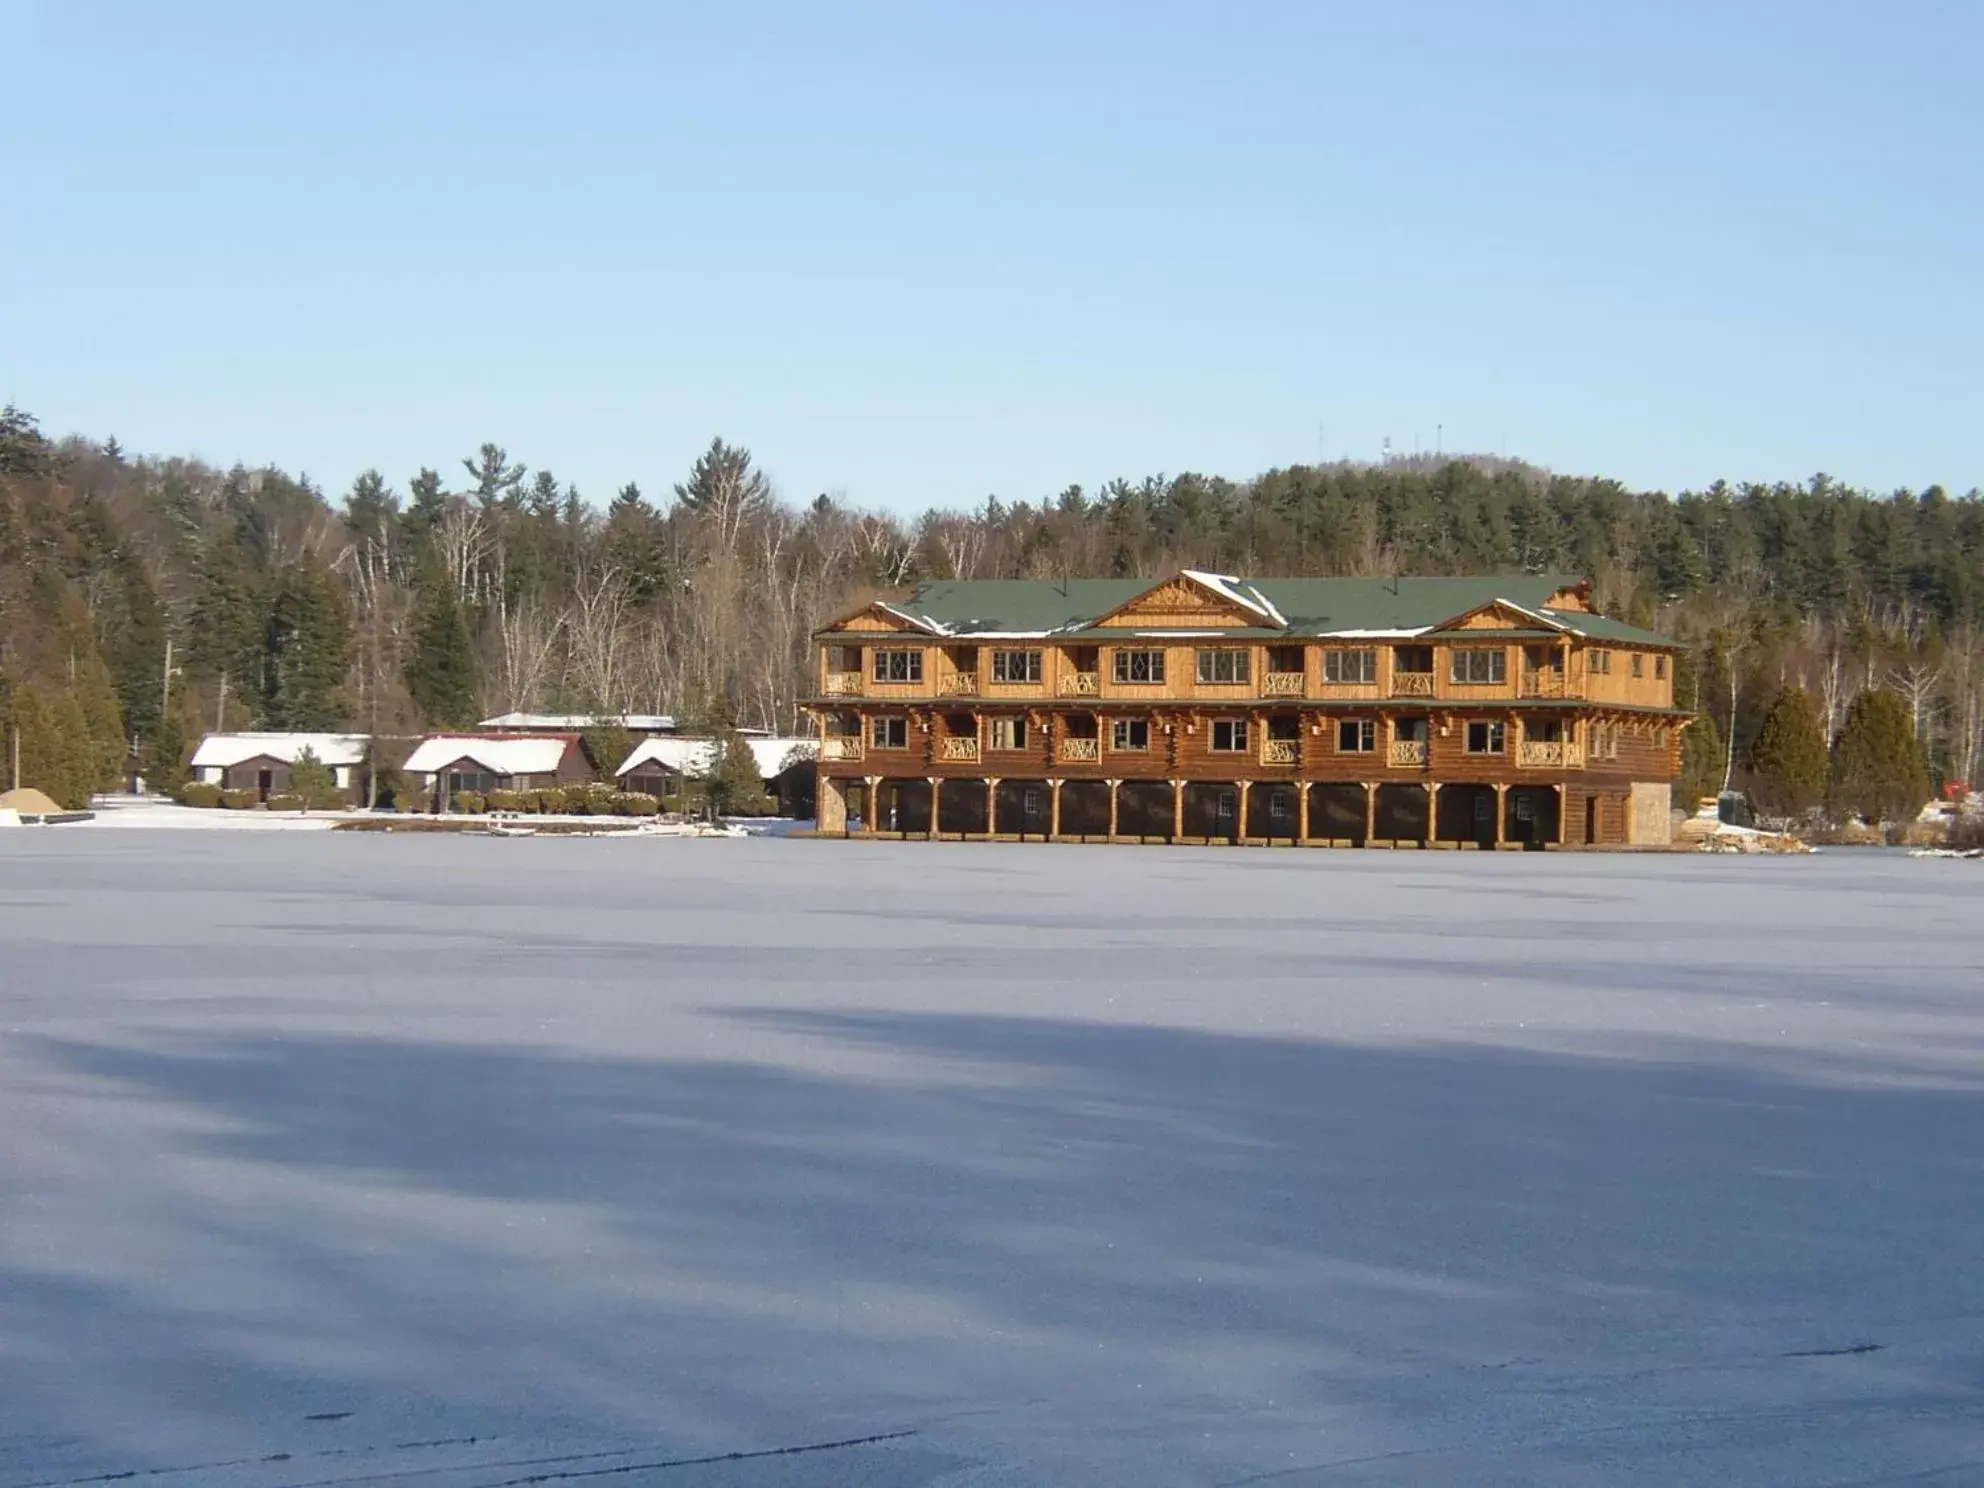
[844, 747]
[960, 684]
[1080, 684]
[1540, 684]
[1283, 684]
[1079, 751]
[1408, 753]
[1412, 684]
[1549, 754]
[1280, 751]
[957, 749]
[842, 684]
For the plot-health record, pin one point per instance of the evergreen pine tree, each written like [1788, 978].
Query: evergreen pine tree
[47, 733]
[102, 746]
[1878, 772]
[1701, 763]
[163, 757]
[440, 665]
[315, 782]
[1789, 759]
[307, 652]
[731, 786]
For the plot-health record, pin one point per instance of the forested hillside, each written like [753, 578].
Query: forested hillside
[485, 586]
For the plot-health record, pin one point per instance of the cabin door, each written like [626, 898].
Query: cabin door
[1590, 821]
[265, 781]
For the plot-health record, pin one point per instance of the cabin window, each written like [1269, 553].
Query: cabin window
[898, 666]
[1350, 666]
[1660, 669]
[1599, 663]
[1129, 735]
[890, 733]
[1229, 736]
[1409, 730]
[1030, 801]
[1525, 809]
[1480, 666]
[1639, 663]
[1009, 733]
[1015, 666]
[1139, 666]
[1356, 735]
[1486, 738]
[479, 781]
[1415, 659]
[1223, 667]
[1285, 659]
[1227, 801]
[1278, 806]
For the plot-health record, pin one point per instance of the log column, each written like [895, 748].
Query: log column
[1177, 809]
[991, 808]
[1370, 813]
[1113, 787]
[1432, 809]
[1053, 809]
[1302, 812]
[1240, 823]
[871, 810]
[1501, 814]
[936, 796]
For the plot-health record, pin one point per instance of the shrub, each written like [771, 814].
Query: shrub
[506, 800]
[551, 801]
[1967, 830]
[639, 803]
[239, 800]
[287, 801]
[470, 803]
[202, 793]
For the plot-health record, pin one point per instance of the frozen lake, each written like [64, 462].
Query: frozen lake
[335, 1159]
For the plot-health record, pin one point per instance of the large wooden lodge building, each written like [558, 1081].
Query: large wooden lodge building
[1352, 712]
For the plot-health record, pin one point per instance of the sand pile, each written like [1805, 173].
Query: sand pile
[28, 802]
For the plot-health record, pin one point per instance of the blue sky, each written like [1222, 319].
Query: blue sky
[917, 254]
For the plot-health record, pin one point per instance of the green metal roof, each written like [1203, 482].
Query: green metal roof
[1293, 608]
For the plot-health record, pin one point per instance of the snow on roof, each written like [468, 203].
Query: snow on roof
[1239, 591]
[692, 756]
[660, 723]
[224, 751]
[512, 755]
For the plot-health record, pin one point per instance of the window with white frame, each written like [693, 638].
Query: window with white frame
[1009, 733]
[898, 666]
[1229, 736]
[1486, 738]
[1357, 666]
[1599, 663]
[1356, 735]
[1639, 663]
[1223, 667]
[1015, 666]
[1139, 666]
[1129, 735]
[1480, 666]
[889, 733]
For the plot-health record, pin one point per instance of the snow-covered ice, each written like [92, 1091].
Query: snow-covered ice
[460, 1162]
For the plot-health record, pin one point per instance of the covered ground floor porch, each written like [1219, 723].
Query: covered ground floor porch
[1445, 814]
